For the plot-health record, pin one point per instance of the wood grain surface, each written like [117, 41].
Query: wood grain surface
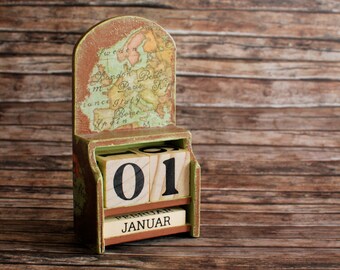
[257, 84]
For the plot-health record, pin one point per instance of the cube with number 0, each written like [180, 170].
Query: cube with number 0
[126, 178]
[169, 172]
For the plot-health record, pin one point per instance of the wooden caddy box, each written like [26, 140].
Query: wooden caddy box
[124, 86]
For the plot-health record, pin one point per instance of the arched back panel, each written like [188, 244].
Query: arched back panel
[124, 77]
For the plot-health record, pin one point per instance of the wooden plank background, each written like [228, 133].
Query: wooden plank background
[258, 85]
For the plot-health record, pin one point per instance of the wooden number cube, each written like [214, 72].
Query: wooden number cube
[169, 172]
[126, 178]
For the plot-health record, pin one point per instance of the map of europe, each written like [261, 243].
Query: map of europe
[132, 83]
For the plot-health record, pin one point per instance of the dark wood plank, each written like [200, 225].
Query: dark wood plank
[61, 237]
[212, 231]
[247, 202]
[221, 218]
[24, 197]
[219, 92]
[44, 114]
[208, 152]
[295, 207]
[300, 6]
[79, 19]
[188, 46]
[293, 168]
[47, 163]
[33, 149]
[255, 153]
[37, 43]
[34, 193]
[46, 226]
[153, 257]
[276, 183]
[36, 214]
[65, 239]
[294, 119]
[239, 159]
[258, 70]
[57, 267]
[270, 138]
[283, 70]
[34, 202]
[270, 219]
[36, 64]
[229, 137]
[193, 118]
[267, 197]
[255, 48]
[271, 183]
[295, 6]
[41, 88]
[298, 243]
[229, 92]
[60, 179]
[271, 232]
[37, 133]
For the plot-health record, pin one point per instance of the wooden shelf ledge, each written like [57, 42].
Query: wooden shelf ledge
[145, 207]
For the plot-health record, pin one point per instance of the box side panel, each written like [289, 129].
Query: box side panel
[194, 207]
[87, 198]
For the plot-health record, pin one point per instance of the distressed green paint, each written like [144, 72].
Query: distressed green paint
[194, 207]
[79, 195]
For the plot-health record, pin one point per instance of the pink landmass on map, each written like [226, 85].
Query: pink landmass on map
[129, 51]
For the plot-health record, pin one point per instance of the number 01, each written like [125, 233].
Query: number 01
[170, 188]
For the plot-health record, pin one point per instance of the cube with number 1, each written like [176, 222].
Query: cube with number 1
[169, 172]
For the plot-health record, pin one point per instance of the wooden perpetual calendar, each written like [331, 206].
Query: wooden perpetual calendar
[134, 173]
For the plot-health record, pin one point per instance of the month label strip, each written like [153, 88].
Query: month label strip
[144, 221]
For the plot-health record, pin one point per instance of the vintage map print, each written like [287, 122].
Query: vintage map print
[128, 79]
